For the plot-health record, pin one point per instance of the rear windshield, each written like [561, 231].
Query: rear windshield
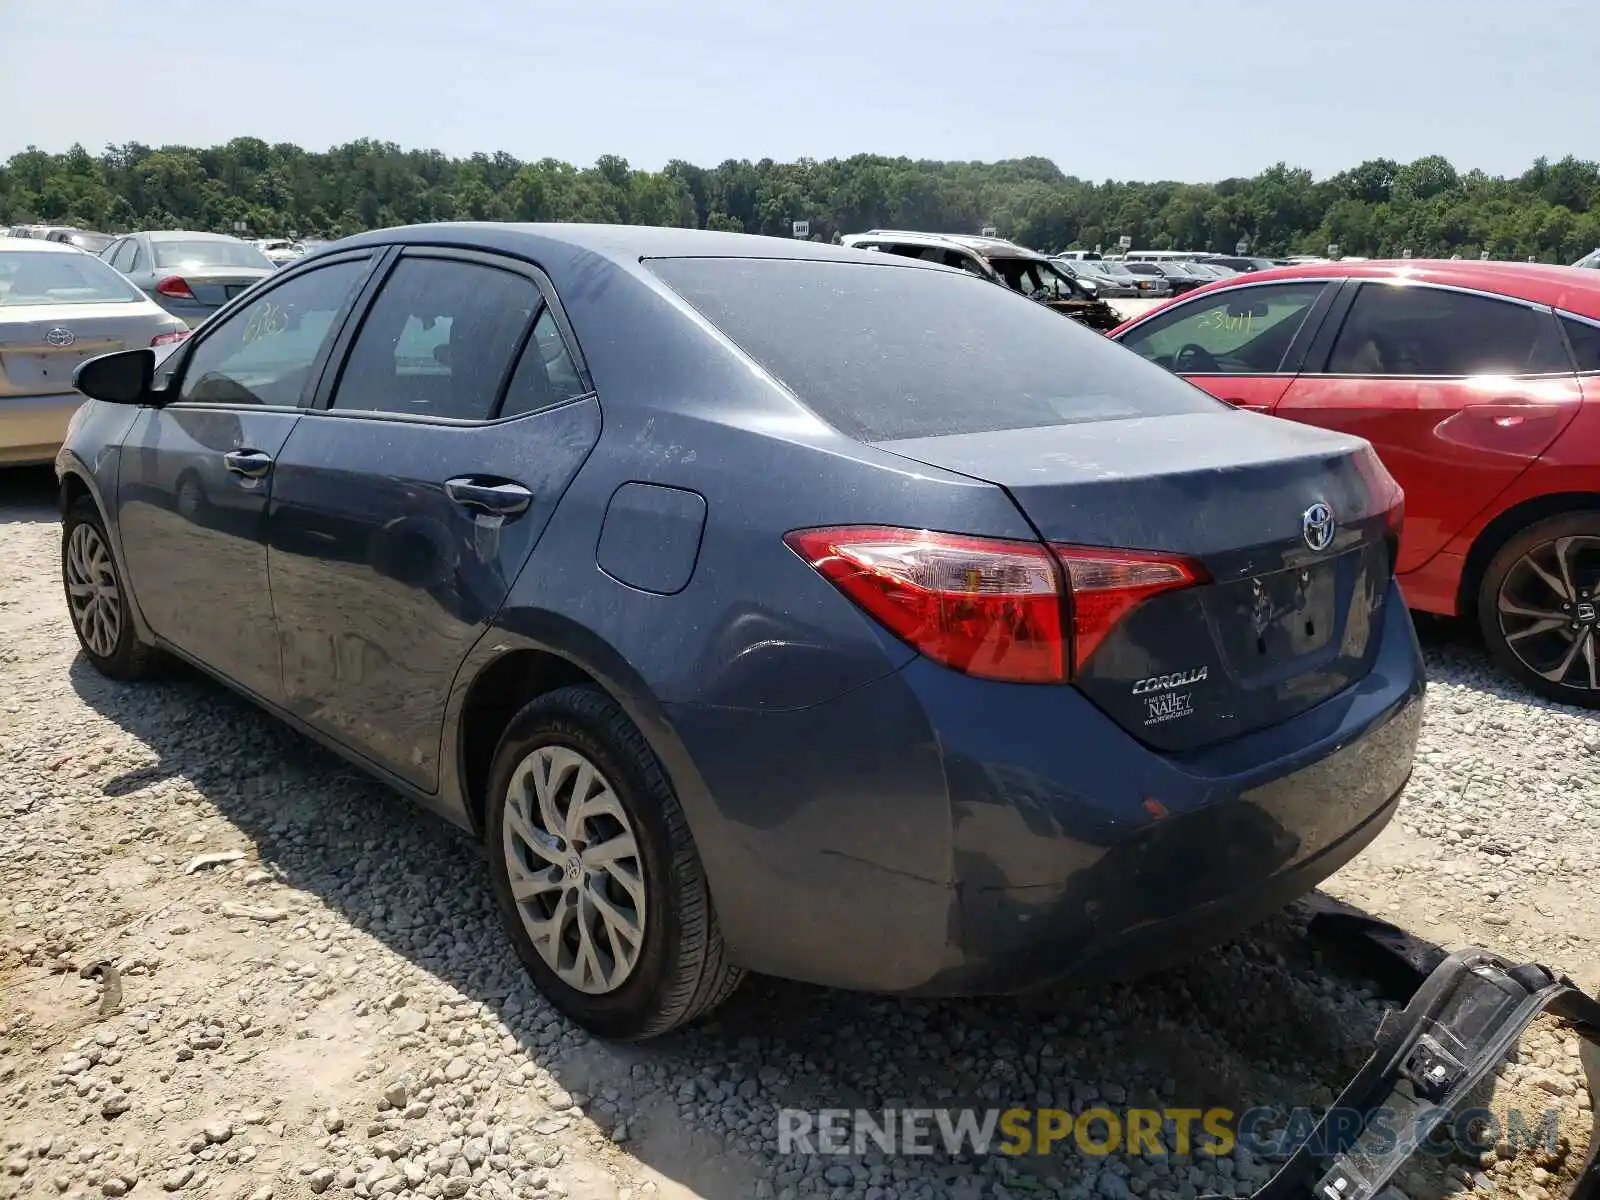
[203, 253]
[889, 352]
[59, 277]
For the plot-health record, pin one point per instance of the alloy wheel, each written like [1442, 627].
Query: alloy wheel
[574, 869]
[92, 593]
[1549, 611]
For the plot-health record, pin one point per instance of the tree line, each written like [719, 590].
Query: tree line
[1381, 208]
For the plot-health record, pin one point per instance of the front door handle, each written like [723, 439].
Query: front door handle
[252, 464]
[496, 499]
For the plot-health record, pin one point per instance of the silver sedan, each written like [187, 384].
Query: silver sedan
[59, 306]
[190, 274]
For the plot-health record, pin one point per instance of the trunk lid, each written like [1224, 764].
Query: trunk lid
[215, 286]
[1278, 627]
[41, 345]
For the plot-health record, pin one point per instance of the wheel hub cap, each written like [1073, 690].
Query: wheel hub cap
[575, 870]
[1549, 611]
[93, 597]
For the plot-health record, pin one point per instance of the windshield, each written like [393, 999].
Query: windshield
[41, 277]
[1114, 269]
[889, 352]
[92, 242]
[209, 253]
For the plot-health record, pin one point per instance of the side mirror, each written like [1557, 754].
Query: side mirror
[1244, 308]
[123, 377]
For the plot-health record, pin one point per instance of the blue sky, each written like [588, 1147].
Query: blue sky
[1173, 89]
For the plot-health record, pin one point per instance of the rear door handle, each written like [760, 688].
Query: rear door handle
[496, 499]
[252, 464]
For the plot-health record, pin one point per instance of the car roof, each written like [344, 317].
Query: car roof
[1574, 289]
[15, 243]
[622, 244]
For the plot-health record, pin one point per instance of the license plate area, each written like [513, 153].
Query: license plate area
[49, 370]
[1272, 619]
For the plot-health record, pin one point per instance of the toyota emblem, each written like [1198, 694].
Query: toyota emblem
[1317, 526]
[60, 337]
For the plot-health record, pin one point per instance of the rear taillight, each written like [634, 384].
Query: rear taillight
[983, 606]
[990, 607]
[1107, 585]
[175, 285]
[1394, 522]
[166, 339]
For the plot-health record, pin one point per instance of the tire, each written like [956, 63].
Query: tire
[107, 635]
[679, 970]
[1552, 567]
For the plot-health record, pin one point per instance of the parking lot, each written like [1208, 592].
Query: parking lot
[315, 996]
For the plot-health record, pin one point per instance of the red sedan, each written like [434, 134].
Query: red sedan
[1479, 385]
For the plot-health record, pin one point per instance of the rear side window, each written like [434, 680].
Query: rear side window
[52, 277]
[889, 352]
[1403, 330]
[1584, 339]
[545, 375]
[438, 341]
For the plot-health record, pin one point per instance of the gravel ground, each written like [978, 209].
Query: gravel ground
[315, 997]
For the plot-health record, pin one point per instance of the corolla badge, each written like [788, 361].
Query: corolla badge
[1317, 526]
[59, 337]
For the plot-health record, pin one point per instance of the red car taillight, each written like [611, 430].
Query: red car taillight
[166, 339]
[176, 286]
[990, 607]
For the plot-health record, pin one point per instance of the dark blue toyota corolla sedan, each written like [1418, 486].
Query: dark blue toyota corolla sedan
[763, 605]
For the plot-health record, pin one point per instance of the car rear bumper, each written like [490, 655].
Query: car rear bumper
[932, 834]
[32, 428]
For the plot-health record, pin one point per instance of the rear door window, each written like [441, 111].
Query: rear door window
[890, 352]
[1412, 329]
[1246, 331]
[438, 341]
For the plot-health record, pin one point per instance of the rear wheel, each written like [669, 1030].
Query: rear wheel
[1539, 607]
[97, 598]
[597, 878]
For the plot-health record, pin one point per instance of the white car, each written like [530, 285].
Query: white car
[58, 307]
[281, 250]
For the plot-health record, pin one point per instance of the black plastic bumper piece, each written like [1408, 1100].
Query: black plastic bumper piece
[1465, 1013]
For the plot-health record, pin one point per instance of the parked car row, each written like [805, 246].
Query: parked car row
[942, 607]
[81, 239]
